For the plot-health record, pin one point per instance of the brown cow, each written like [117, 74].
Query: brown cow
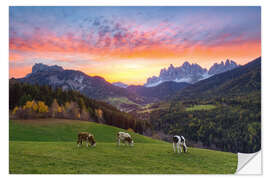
[87, 137]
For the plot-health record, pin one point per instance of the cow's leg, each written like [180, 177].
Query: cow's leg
[78, 143]
[86, 142]
[118, 142]
[173, 147]
[178, 147]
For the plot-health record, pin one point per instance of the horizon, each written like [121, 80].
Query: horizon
[146, 79]
[131, 44]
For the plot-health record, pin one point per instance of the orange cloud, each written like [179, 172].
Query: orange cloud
[104, 57]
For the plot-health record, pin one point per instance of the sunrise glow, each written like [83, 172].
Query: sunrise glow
[130, 44]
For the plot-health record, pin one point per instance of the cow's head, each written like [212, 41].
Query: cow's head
[130, 141]
[91, 140]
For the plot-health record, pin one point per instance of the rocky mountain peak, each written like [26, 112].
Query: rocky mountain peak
[222, 67]
[40, 67]
[190, 73]
[186, 64]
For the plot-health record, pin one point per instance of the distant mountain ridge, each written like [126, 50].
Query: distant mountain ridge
[92, 86]
[39, 67]
[189, 73]
[98, 88]
[242, 80]
[222, 67]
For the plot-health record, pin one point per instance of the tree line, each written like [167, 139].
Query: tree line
[35, 101]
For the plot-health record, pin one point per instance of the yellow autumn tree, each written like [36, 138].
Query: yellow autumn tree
[59, 109]
[29, 109]
[15, 110]
[67, 106]
[130, 130]
[42, 107]
[99, 113]
[34, 106]
[29, 105]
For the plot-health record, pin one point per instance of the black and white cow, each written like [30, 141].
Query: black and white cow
[179, 141]
[125, 138]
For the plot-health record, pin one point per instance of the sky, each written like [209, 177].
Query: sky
[130, 44]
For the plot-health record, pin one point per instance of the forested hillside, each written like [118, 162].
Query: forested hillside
[34, 101]
[231, 124]
[222, 112]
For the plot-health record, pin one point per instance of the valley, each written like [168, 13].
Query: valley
[212, 112]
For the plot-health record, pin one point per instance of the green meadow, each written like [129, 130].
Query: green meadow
[49, 147]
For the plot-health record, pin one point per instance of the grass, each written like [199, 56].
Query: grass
[148, 108]
[49, 147]
[52, 130]
[117, 101]
[201, 107]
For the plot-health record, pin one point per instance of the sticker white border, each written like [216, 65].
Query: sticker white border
[255, 162]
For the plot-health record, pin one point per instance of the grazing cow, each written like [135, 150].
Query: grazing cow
[87, 137]
[179, 141]
[124, 137]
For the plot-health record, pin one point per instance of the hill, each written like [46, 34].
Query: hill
[69, 104]
[222, 112]
[52, 130]
[49, 147]
[92, 86]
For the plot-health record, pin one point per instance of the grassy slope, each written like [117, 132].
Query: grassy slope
[201, 107]
[49, 147]
[117, 101]
[65, 130]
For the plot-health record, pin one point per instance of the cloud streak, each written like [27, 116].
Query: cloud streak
[115, 33]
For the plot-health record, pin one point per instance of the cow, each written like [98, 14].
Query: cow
[179, 141]
[87, 137]
[125, 138]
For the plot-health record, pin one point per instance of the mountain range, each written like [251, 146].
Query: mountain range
[222, 111]
[238, 81]
[92, 86]
[98, 88]
[190, 73]
[219, 75]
